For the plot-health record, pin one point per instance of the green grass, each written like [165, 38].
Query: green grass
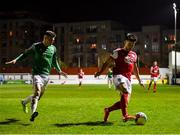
[67, 109]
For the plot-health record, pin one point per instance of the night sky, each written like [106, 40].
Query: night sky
[133, 13]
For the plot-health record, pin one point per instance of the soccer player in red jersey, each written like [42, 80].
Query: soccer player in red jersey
[154, 71]
[80, 76]
[125, 63]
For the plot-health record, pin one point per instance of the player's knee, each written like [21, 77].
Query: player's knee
[122, 88]
[35, 99]
[36, 94]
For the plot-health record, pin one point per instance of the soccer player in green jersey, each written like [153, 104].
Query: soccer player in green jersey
[110, 78]
[44, 58]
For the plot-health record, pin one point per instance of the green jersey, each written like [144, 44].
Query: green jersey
[110, 74]
[44, 58]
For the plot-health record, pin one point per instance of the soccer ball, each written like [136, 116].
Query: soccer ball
[141, 118]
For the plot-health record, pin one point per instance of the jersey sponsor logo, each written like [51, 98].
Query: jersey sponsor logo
[130, 58]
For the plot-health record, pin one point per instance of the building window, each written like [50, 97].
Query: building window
[103, 27]
[10, 33]
[103, 46]
[155, 48]
[91, 29]
[93, 46]
[91, 40]
[77, 30]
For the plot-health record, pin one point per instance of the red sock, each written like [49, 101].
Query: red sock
[154, 86]
[115, 106]
[149, 85]
[124, 101]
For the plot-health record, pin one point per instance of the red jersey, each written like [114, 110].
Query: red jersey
[154, 71]
[124, 61]
[80, 75]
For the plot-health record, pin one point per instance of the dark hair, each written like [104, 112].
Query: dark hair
[131, 37]
[50, 33]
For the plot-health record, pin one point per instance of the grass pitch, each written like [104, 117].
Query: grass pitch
[67, 109]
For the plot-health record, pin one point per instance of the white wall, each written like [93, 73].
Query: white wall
[73, 79]
[172, 60]
[89, 79]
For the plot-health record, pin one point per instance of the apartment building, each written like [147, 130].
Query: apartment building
[84, 44]
[17, 33]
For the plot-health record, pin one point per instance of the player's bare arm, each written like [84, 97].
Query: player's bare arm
[151, 71]
[63, 74]
[136, 73]
[11, 62]
[104, 66]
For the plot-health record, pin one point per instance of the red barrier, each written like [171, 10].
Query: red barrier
[70, 71]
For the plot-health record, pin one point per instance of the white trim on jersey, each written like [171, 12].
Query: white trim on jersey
[115, 53]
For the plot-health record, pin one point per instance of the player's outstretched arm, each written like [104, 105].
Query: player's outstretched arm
[96, 74]
[104, 66]
[136, 73]
[11, 62]
[63, 74]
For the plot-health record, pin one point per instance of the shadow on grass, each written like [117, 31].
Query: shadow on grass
[12, 121]
[8, 121]
[96, 123]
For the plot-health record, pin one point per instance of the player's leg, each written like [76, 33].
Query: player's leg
[154, 90]
[43, 88]
[80, 82]
[122, 85]
[115, 106]
[109, 83]
[124, 104]
[40, 82]
[37, 84]
[42, 92]
[125, 88]
[27, 99]
[150, 84]
[24, 103]
[34, 103]
[36, 96]
[155, 82]
[107, 111]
